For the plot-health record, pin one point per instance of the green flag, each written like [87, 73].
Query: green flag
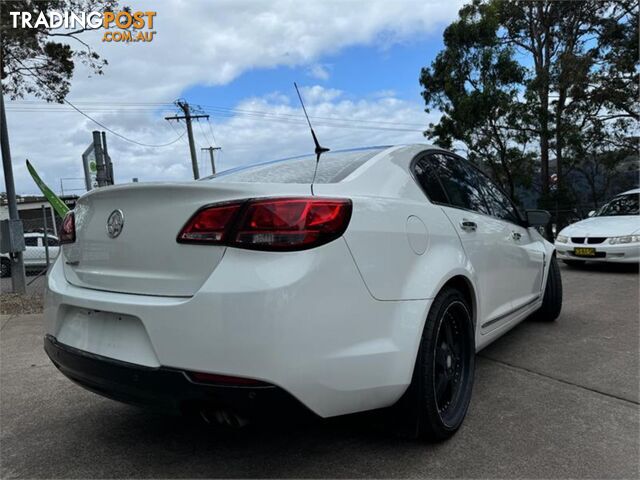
[55, 201]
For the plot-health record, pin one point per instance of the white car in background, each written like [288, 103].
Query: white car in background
[34, 254]
[610, 234]
[257, 288]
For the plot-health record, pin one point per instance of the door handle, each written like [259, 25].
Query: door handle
[468, 226]
[516, 235]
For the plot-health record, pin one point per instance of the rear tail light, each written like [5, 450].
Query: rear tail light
[209, 225]
[68, 229]
[276, 224]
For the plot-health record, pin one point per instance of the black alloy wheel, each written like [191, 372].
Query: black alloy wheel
[452, 363]
[436, 402]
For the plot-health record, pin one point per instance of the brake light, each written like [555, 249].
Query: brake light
[68, 230]
[292, 223]
[209, 224]
[277, 224]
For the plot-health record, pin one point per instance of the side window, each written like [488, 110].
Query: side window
[52, 242]
[459, 182]
[429, 181]
[31, 241]
[498, 202]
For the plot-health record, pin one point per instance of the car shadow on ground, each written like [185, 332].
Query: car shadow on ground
[278, 446]
[278, 427]
[606, 267]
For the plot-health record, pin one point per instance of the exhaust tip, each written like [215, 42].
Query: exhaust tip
[225, 418]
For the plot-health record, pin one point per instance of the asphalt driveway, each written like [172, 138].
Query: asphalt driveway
[550, 400]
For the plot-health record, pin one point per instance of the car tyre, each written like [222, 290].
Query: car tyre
[436, 402]
[574, 263]
[5, 268]
[552, 301]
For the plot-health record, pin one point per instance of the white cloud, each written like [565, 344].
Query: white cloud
[249, 139]
[263, 128]
[319, 71]
[211, 43]
[383, 93]
[318, 94]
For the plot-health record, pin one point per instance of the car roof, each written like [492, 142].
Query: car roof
[412, 148]
[635, 190]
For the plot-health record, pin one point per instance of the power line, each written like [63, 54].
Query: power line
[206, 137]
[93, 119]
[334, 122]
[229, 112]
[343, 124]
[313, 117]
[176, 130]
[211, 130]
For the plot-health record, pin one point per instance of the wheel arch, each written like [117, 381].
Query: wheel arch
[465, 286]
[461, 281]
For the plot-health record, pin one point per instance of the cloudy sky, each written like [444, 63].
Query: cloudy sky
[357, 63]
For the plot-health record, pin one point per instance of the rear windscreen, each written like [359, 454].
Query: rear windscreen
[333, 167]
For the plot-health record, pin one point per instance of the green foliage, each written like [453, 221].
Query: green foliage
[48, 55]
[524, 84]
[477, 83]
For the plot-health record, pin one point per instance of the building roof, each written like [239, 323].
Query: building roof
[26, 199]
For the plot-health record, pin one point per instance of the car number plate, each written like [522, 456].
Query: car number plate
[584, 252]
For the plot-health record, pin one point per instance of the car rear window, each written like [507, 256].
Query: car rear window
[333, 168]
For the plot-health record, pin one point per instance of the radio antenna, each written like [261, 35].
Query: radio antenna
[319, 149]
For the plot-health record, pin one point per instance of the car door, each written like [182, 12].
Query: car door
[523, 250]
[40, 252]
[482, 235]
[32, 249]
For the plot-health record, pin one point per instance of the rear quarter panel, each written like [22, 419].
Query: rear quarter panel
[383, 242]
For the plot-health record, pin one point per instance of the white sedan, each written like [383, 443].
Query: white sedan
[34, 254]
[611, 234]
[258, 289]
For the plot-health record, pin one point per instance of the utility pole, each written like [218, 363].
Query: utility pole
[18, 279]
[184, 106]
[213, 163]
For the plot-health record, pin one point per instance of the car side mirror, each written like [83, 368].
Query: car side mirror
[538, 218]
[591, 213]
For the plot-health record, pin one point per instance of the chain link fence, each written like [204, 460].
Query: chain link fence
[41, 245]
[41, 249]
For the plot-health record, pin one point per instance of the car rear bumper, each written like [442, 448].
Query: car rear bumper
[303, 321]
[604, 252]
[164, 389]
